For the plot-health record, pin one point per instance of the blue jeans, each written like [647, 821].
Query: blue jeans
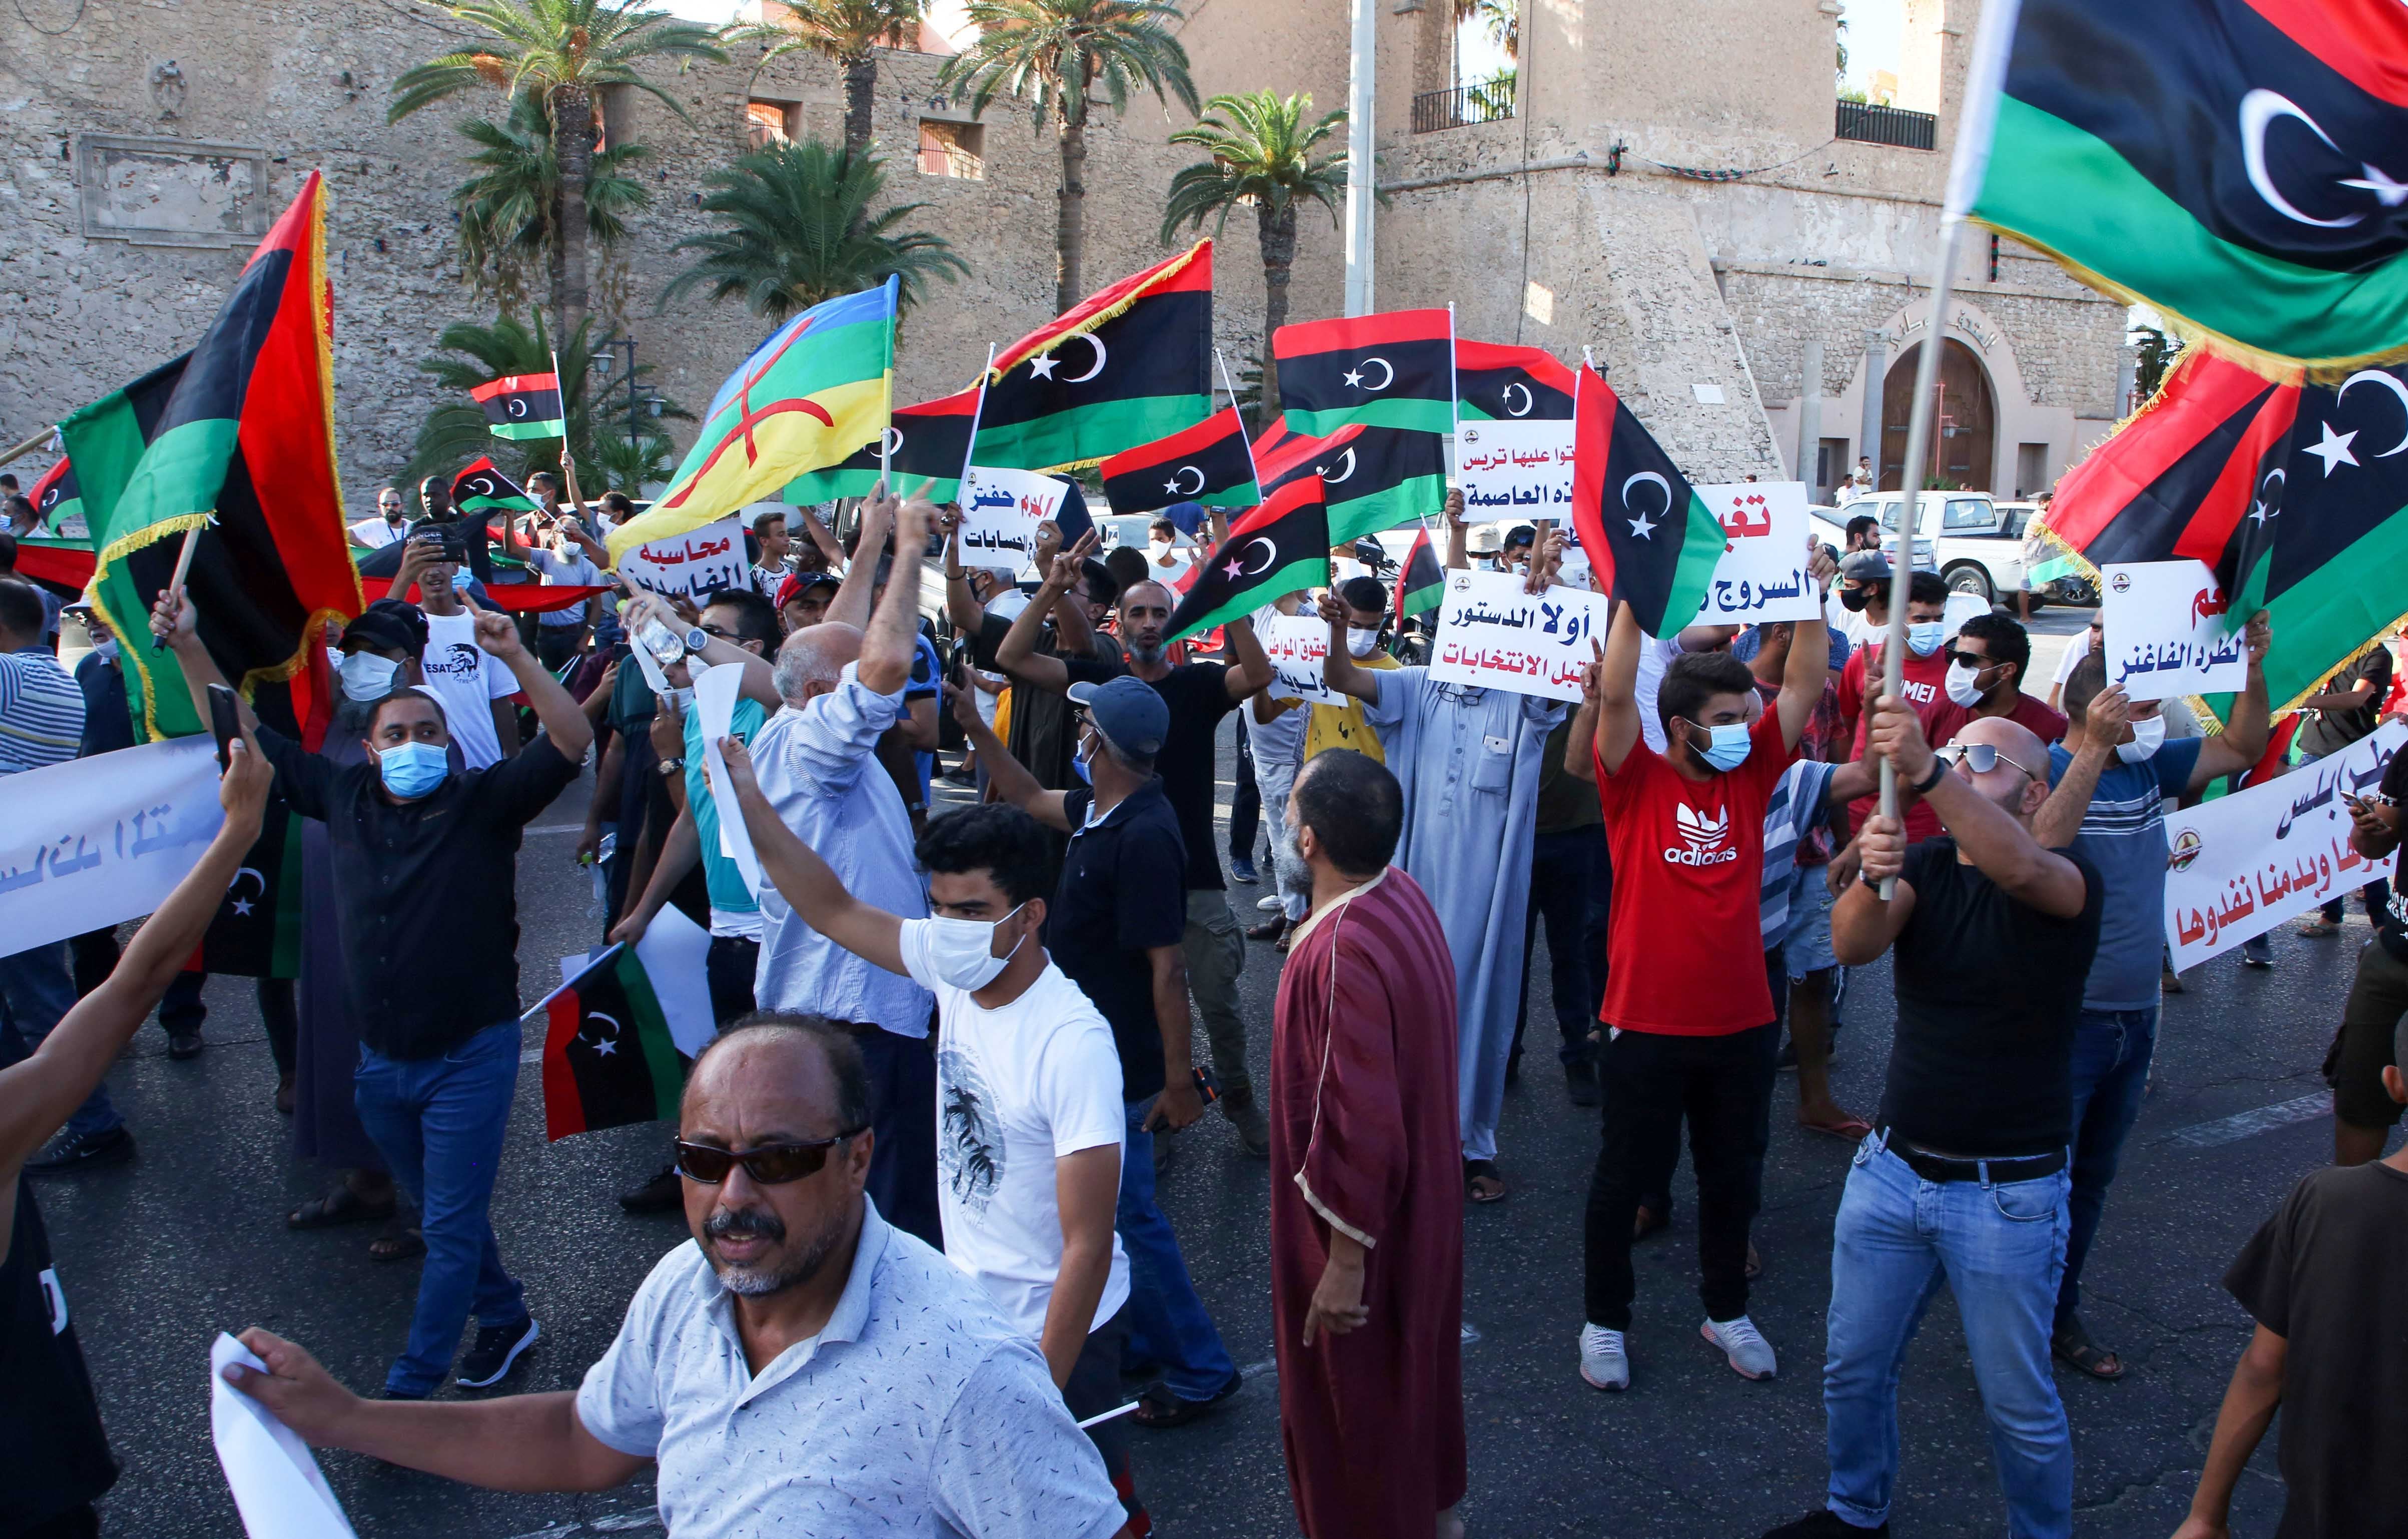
[36, 990]
[1166, 1320]
[1998, 1246]
[439, 1123]
[2110, 1072]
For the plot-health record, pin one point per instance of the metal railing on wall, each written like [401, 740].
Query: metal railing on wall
[1871, 123]
[1485, 101]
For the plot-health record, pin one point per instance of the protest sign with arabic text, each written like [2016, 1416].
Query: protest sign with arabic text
[1762, 576]
[92, 843]
[2164, 624]
[1492, 634]
[692, 565]
[1299, 648]
[1000, 512]
[1516, 469]
[2241, 865]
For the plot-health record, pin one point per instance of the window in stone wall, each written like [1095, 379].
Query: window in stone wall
[768, 122]
[953, 150]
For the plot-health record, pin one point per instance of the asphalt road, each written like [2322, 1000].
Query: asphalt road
[158, 1256]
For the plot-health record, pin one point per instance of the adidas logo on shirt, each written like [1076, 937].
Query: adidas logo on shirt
[1707, 838]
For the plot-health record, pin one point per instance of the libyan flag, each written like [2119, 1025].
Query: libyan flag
[1122, 368]
[1421, 581]
[235, 440]
[1650, 538]
[1503, 383]
[523, 406]
[256, 932]
[483, 488]
[2296, 495]
[1374, 478]
[1281, 547]
[1391, 370]
[2235, 163]
[608, 1055]
[57, 497]
[1208, 464]
[930, 441]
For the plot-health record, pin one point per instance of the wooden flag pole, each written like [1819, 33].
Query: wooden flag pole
[39, 441]
[183, 566]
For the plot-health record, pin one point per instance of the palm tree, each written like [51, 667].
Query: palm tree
[846, 31]
[1263, 155]
[629, 465]
[510, 210]
[561, 51]
[1053, 52]
[796, 228]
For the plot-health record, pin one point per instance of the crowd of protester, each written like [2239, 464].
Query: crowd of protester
[919, 1160]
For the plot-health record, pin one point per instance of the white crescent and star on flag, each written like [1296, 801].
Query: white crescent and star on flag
[1044, 363]
[603, 1046]
[1387, 374]
[1237, 566]
[1174, 486]
[1642, 527]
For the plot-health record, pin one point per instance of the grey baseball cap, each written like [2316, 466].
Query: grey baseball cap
[1126, 710]
[1863, 567]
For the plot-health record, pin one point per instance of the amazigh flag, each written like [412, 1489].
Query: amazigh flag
[608, 1055]
[1649, 537]
[1510, 384]
[235, 438]
[1281, 547]
[2296, 495]
[523, 406]
[930, 441]
[1374, 478]
[1122, 368]
[256, 932]
[57, 497]
[481, 488]
[815, 391]
[1391, 370]
[1421, 581]
[2236, 164]
[1208, 464]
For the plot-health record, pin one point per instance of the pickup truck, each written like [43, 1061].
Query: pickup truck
[1977, 543]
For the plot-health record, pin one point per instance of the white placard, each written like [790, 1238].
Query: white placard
[2243, 864]
[715, 691]
[1762, 575]
[1516, 469]
[1000, 512]
[2163, 621]
[277, 1487]
[89, 843]
[692, 565]
[1299, 648]
[1492, 634]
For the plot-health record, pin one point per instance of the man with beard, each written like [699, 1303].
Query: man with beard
[799, 1366]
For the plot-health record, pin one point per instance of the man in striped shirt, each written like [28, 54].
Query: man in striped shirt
[41, 722]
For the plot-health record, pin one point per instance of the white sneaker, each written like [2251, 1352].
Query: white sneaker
[1268, 902]
[1749, 1353]
[1604, 1365]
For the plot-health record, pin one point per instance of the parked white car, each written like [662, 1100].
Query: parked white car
[1977, 543]
[1830, 525]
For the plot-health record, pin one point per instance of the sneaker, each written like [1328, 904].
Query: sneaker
[1750, 1354]
[2263, 964]
[498, 1350]
[1604, 1365]
[83, 1152]
[1823, 1523]
[1580, 1082]
[659, 1194]
[1268, 902]
[184, 1044]
[1242, 868]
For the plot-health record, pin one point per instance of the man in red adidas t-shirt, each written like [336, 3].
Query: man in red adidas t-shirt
[1688, 1012]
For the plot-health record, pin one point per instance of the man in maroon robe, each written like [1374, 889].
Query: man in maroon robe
[1366, 1189]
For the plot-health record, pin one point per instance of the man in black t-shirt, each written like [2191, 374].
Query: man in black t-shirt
[1198, 695]
[2364, 1112]
[1965, 1173]
[2348, 708]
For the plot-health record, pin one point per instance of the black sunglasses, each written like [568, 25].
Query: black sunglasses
[1970, 659]
[771, 1165]
[1979, 757]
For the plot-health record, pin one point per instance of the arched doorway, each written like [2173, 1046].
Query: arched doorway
[1964, 431]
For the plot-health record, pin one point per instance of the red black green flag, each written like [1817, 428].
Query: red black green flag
[523, 406]
[256, 932]
[57, 497]
[1281, 547]
[608, 1056]
[1650, 538]
[1122, 368]
[2235, 163]
[1374, 478]
[1208, 464]
[1510, 384]
[483, 488]
[1421, 581]
[1390, 371]
[930, 441]
[235, 439]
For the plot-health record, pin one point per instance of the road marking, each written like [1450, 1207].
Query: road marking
[557, 828]
[2241, 1125]
[532, 1055]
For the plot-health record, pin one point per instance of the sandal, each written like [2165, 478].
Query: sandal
[1158, 1406]
[341, 1205]
[1647, 1221]
[1755, 1267]
[399, 1242]
[1850, 1127]
[2074, 1347]
[1481, 1182]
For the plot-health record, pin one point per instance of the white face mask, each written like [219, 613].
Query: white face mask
[2148, 735]
[107, 649]
[1961, 686]
[1361, 643]
[366, 676]
[961, 951]
[1159, 546]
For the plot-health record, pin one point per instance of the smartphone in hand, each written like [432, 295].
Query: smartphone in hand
[226, 721]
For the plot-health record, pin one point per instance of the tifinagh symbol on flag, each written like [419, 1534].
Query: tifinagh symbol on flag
[813, 393]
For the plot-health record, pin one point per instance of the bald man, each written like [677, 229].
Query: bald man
[1964, 1177]
[798, 1366]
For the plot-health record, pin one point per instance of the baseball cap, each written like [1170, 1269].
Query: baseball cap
[389, 626]
[1126, 710]
[1485, 541]
[1863, 567]
[799, 584]
[1521, 534]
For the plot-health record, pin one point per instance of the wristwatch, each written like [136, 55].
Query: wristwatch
[671, 767]
[696, 640]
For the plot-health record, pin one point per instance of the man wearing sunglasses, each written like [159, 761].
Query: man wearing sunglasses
[1964, 1177]
[1987, 663]
[800, 1367]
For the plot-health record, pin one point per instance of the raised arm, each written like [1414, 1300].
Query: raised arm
[961, 605]
[803, 879]
[851, 605]
[824, 541]
[1999, 846]
[1016, 653]
[2243, 741]
[892, 639]
[1249, 669]
[1617, 688]
[1863, 922]
[1338, 669]
[2060, 818]
[1006, 776]
[1810, 656]
[554, 706]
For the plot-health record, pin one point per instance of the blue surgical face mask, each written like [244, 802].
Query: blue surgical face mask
[1730, 748]
[1923, 637]
[412, 769]
[1079, 760]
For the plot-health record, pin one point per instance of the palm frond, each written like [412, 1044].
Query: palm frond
[1263, 151]
[1051, 53]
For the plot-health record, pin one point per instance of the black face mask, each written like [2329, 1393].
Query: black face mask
[1854, 599]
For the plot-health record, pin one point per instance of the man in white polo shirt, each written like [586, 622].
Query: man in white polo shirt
[799, 1367]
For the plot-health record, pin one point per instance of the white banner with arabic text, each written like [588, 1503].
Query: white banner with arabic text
[1299, 648]
[93, 843]
[1492, 634]
[1762, 575]
[689, 565]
